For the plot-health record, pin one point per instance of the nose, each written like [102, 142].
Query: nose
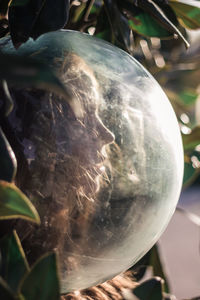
[105, 135]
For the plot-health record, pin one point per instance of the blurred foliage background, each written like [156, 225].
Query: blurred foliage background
[156, 32]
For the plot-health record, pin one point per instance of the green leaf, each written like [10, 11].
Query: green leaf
[13, 261]
[158, 14]
[5, 292]
[103, 27]
[36, 18]
[8, 163]
[188, 12]
[19, 2]
[28, 72]
[149, 290]
[56, 11]
[104, 35]
[146, 25]
[14, 204]
[118, 23]
[42, 282]
[188, 96]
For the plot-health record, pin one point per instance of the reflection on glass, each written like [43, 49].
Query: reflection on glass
[104, 168]
[67, 164]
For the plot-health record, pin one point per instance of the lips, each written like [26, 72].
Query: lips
[100, 158]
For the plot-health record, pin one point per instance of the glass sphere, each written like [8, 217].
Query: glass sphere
[104, 168]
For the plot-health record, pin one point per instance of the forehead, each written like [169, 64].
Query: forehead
[79, 78]
[84, 102]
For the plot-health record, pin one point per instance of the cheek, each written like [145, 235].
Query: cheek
[79, 141]
[84, 140]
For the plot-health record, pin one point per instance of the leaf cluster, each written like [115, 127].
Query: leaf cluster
[18, 281]
[115, 21]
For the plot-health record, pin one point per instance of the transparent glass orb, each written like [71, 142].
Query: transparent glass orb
[104, 169]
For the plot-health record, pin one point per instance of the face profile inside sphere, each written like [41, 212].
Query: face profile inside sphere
[104, 169]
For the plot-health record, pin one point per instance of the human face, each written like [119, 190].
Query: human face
[87, 138]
